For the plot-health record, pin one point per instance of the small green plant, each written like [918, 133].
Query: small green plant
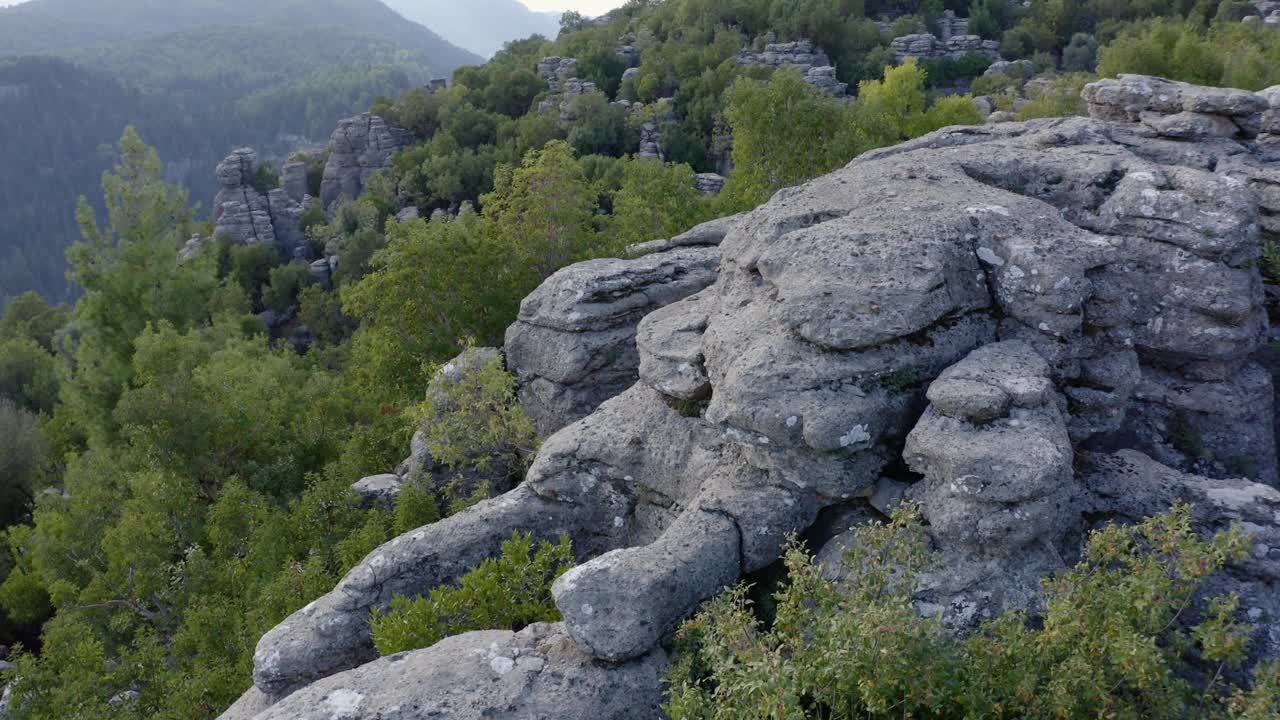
[506, 592]
[1271, 259]
[416, 506]
[900, 381]
[1111, 642]
[1186, 438]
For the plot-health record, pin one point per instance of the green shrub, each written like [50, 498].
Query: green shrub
[415, 507]
[473, 421]
[1109, 644]
[1061, 98]
[506, 592]
[266, 178]
[284, 284]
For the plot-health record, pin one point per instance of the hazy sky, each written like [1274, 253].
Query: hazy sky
[587, 7]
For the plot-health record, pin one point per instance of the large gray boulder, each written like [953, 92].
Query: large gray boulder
[359, 147]
[573, 344]
[982, 302]
[536, 674]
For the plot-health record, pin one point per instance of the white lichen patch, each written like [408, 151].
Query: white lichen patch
[502, 665]
[343, 703]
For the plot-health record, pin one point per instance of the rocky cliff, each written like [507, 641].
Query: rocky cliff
[246, 215]
[1028, 328]
[359, 147]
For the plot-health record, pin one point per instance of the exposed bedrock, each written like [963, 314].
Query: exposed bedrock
[573, 345]
[961, 319]
[359, 147]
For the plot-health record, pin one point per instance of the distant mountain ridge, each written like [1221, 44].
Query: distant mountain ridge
[49, 26]
[197, 77]
[481, 26]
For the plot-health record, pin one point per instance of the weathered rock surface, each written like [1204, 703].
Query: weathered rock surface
[1129, 486]
[927, 46]
[246, 216]
[803, 57]
[573, 345]
[536, 674]
[378, 489]
[359, 147]
[987, 303]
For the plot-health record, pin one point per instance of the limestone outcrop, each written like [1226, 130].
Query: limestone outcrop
[573, 345]
[538, 672]
[801, 56]
[359, 147]
[246, 215]
[927, 46]
[1028, 328]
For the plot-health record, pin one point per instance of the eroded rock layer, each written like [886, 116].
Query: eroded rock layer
[1005, 323]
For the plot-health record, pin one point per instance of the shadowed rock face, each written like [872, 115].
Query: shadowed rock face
[985, 303]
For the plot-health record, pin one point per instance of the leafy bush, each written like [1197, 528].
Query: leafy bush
[472, 420]
[506, 592]
[285, 284]
[1227, 55]
[1059, 98]
[1110, 642]
[266, 178]
[23, 452]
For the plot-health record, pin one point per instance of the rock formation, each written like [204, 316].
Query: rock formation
[1026, 327]
[573, 345]
[359, 147]
[651, 129]
[801, 56]
[246, 216]
[927, 46]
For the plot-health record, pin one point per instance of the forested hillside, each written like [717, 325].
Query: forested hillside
[42, 26]
[197, 79]
[183, 440]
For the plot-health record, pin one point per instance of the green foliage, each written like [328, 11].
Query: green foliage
[416, 507]
[1271, 259]
[30, 316]
[23, 454]
[1081, 54]
[543, 212]
[285, 284]
[507, 592]
[1228, 55]
[471, 418]
[656, 201]
[766, 117]
[1060, 98]
[1110, 642]
[600, 127]
[267, 178]
[434, 283]
[28, 375]
[131, 277]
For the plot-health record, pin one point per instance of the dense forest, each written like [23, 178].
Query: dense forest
[177, 475]
[252, 74]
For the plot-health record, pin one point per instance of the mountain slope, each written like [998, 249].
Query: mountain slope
[481, 26]
[198, 78]
[42, 26]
